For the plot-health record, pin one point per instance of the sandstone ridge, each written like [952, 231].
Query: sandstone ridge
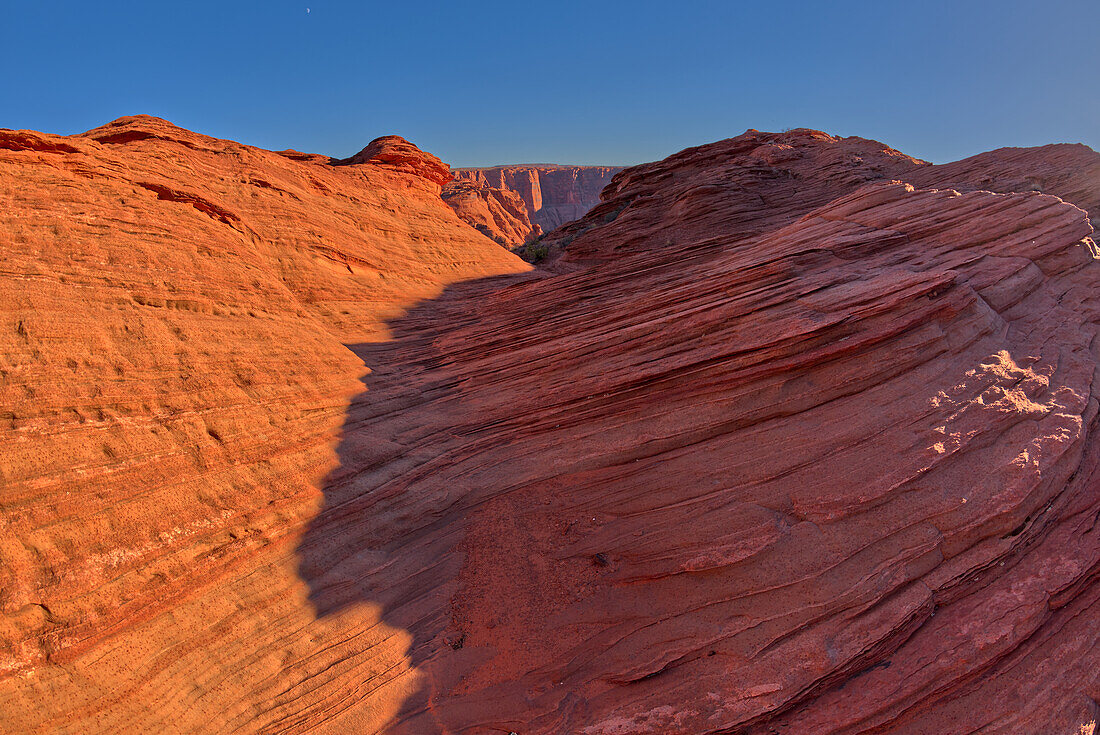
[174, 309]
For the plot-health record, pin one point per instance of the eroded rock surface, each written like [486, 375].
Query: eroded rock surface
[833, 481]
[736, 189]
[758, 181]
[1068, 171]
[784, 445]
[515, 204]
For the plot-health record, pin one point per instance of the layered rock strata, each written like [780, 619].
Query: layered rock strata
[782, 445]
[839, 479]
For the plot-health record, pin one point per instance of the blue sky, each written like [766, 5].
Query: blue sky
[480, 83]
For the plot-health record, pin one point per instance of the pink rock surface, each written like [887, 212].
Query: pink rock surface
[1071, 172]
[832, 479]
[738, 188]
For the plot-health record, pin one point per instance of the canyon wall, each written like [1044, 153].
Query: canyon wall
[499, 214]
[795, 434]
[553, 194]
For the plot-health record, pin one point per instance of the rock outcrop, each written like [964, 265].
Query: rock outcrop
[738, 188]
[756, 182]
[554, 195]
[836, 477]
[1071, 172]
[397, 154]
[783, 445]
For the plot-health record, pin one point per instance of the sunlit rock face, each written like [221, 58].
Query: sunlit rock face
[173, 387]
[795, 434]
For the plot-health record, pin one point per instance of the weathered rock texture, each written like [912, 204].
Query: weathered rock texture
[756, 182]
[789, 447]
[1071, 172]
[554, 195]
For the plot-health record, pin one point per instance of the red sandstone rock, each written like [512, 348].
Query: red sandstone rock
[829, 480]
[502, 202]
[758, 181]
[789, 448]
[738, 188]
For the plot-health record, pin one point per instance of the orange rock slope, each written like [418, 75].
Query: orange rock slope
[784, 446]
[173, 381]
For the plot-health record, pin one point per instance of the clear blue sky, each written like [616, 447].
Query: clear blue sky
[480, 83]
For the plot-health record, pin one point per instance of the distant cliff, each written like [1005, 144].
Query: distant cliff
[499, 214]
[553, 194]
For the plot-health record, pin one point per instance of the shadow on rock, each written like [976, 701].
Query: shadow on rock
[389, 530]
